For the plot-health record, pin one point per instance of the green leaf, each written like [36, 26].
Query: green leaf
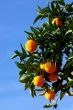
[62, 95]
[26, 86]
[34, 30]
[24, 54]
[72, 73]
[23, 51]
[43, 13]
[68, 65]
[69, 32]
[19, 65]
[71, 57]
[61, 2]
[17, 53]
[24, 78]
[41, 94]
[41, 89]
[21, 73]
[32, 90]
[14, 56]
[69, 84]
[50, 105]
[29, 33]
[37, 18]
[44, 10]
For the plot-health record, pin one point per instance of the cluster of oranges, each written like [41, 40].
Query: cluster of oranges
[48, 67]
[39, 81]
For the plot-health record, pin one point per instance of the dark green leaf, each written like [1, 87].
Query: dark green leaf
[50, 105]
[24, 78]
[34, 30]
[21, 73]
[14, 56]
[69, 84]
[19, 65]
[32, 90]
[62, 95]
[61, 2]
[23, 51]
[18, 53]
[29, 33]
[37, 18]
[26, 86]
[68, 65]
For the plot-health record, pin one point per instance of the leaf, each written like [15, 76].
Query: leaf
[32, 90]
[26, 86]
[72, 73]
[37, 18]
[68, 65]
[41, 94]
[23, 51]
[62, 95]
[34, 30]
[24, 78]
[18, 53]
[43, 13]
[19, 65]
[50, 105]
[14, 56]
[69, 84]
[45, 10]
[61, 2]
[29, 33]
[21, 73]
[68, 32]
[71, 57]
[41, 89]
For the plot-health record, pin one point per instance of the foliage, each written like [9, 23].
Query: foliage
[54, 44]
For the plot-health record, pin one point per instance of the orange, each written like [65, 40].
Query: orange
[31, 45]
[50, 67]
[38, 81]
[50, 95]
[57, 21]
[42, 66]
[53, 77]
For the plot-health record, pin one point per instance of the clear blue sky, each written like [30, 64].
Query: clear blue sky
[15, 17]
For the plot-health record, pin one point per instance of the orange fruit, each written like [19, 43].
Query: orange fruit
[50, 67]
[53, 77]
[50, 95]
[31, 45]
[38, 81]
[47, 66]
[42, 66]
[57, 21]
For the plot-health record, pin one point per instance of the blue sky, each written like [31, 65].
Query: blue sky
[15, 17]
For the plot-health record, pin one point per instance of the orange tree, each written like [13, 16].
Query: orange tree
[46, 60]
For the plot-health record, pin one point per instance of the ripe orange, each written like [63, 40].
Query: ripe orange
[53, 77]
[31, 45]
[42, 66]
[57, 21]
[38, 81]
[50, 67]
[50, 95]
